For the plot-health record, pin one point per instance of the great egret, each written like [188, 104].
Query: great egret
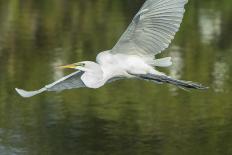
[149, 33]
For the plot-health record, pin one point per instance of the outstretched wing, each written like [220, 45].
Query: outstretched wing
[68, 82]
[152, 28]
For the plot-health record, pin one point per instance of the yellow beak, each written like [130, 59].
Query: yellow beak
[70, 66]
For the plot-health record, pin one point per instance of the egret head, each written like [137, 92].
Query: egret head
[93, 74]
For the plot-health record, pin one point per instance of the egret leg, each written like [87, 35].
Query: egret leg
[169, 80]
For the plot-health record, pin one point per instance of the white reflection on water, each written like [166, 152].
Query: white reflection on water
[58, 73]
[210, 25]
[220, 75]
[176, 69]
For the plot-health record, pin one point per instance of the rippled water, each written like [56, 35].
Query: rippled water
[125, 117]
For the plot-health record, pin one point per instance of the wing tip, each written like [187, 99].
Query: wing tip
[27, 94]
[22, 93]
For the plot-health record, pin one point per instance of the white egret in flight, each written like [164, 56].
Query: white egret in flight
[149, 33]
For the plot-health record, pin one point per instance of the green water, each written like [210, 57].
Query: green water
[128, 117]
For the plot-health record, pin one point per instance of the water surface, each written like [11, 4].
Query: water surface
[124, 117]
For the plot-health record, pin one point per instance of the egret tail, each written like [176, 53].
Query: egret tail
[27, 94]
[169, 80]
[163, 62]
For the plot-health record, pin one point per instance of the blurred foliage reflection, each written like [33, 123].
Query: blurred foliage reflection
[125, 117]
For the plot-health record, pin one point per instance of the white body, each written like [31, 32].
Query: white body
[110, 65]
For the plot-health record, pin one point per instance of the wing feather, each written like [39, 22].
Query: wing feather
[152, 28]
[68, 82]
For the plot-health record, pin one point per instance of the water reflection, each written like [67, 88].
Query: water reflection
[58, 73]
[125, 117]
[177, 67]
[220, 76]
[210, 24]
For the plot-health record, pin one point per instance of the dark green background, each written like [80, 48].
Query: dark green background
[128, 117]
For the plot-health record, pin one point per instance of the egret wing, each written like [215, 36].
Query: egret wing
[68, 82]
[152, 28]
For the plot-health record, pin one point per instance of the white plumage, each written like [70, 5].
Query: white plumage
[149, 33]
